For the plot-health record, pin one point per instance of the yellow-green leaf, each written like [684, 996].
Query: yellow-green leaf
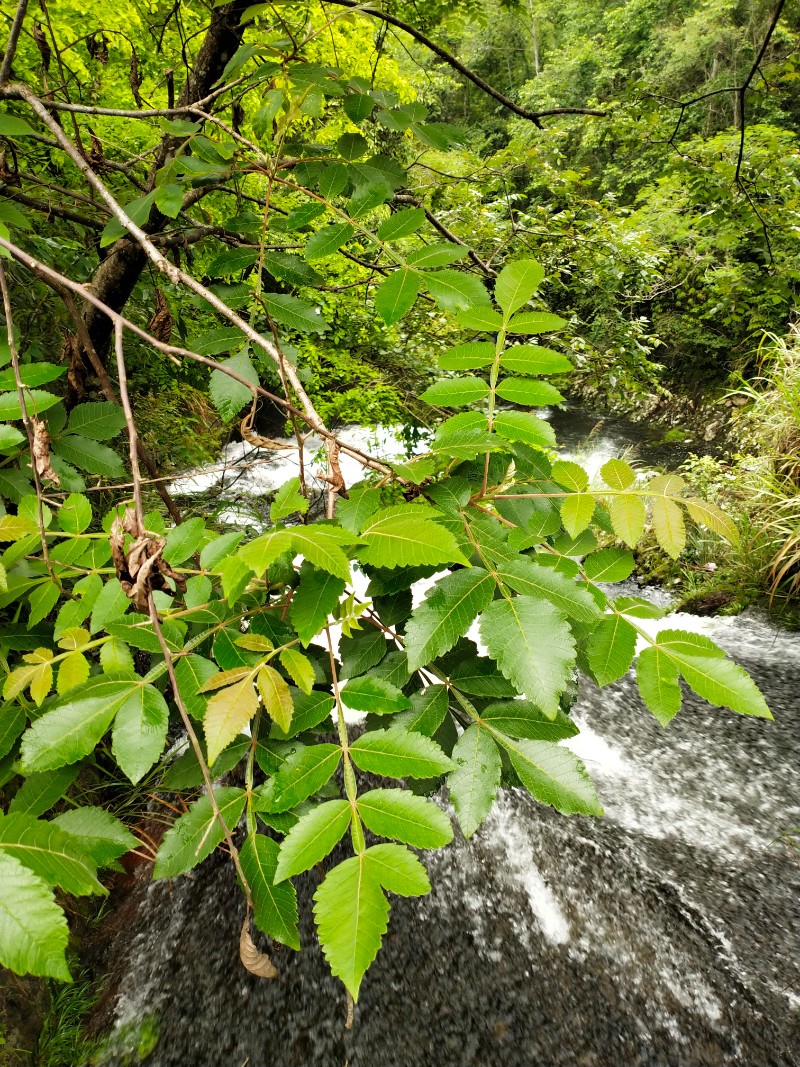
[276, 696]
[74, 671]
[627, 517]
[300, 668]
[668, 524]
[576, 512]
[228, 712]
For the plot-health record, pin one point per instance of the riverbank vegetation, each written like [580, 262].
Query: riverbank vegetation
[234, 220]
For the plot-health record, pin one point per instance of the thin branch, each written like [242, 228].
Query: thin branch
[745, 84]
[50, 210]
[175, 274]
[11, 92]
[85, 293]
[11, 44]
[156, 621]
[534, 116]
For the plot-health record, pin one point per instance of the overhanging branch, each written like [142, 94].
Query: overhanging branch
[533, 116]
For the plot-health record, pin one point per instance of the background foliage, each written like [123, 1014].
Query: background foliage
[301, 237]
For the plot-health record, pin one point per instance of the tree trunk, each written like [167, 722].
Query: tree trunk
[115, 278]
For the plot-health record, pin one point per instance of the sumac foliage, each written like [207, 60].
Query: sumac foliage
[119, 627]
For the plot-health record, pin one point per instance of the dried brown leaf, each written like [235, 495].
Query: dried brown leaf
[253, 960]
[141, 570]
[41, 452]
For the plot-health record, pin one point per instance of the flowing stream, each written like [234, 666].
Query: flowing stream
[665, 934]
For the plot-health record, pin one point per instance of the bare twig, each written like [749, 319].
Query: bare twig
[11, 43]
[156, 621]
[85, 293]
[534, 116]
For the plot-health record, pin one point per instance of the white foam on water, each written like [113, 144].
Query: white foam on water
[648, 795]
[248, 471]
[504, 833]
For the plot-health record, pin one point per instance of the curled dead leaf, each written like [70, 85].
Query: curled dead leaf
[42, 44]
[252, 438]
[41, 452]
[160, 324]
[253, 960]
[142, 569]
[76, 372]
[134, 79]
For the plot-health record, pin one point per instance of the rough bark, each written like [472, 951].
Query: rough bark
[115, 278]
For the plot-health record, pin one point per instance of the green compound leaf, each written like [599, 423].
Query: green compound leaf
[351, 913]
[140, 731]
[533, 646]
[74, 725]
[659, 688]
[610, 649]
[398, 753]
[516, 284]
[446, 614]
[474, 783]
[312, 837]
[197, 833]
[33, 929]
[395, 538]
[707, 670]
[274, 906]
[374, 695]
[401, 815]
[50, 852]
[456, 392]
[553, 775]
[396, 295]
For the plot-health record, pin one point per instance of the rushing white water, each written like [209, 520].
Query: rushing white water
[666, 934]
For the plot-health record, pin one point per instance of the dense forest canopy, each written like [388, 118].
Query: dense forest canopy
[237, 218]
